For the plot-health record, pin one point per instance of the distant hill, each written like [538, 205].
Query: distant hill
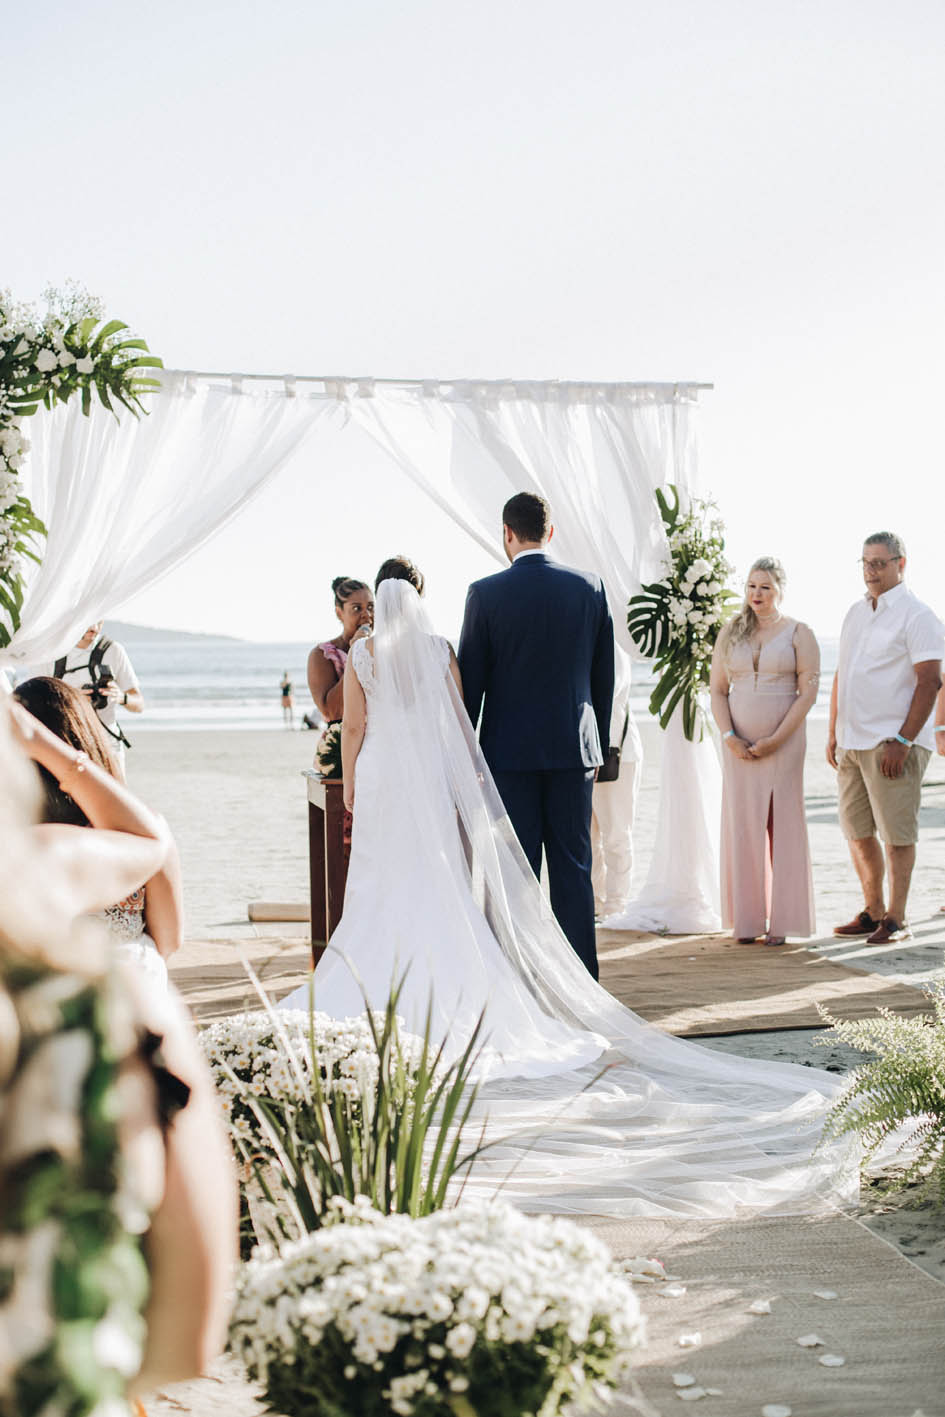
[149, 634]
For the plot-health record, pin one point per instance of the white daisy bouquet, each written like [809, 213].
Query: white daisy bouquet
[472, 1311]
[676, 621]
[45, 361]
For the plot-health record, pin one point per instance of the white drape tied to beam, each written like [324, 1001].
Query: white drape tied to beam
[597, 452]
[126, 501]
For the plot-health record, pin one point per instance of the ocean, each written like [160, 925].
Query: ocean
[204, 683]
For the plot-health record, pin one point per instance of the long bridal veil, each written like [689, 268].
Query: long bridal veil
[653, 1125]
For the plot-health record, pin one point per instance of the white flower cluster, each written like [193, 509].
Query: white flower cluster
[695, 581]
[248, 1057]
[404, 1303]
[9, 559]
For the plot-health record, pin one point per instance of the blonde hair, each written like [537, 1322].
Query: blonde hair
[743, 625]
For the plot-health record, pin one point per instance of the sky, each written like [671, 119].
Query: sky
[744, 193]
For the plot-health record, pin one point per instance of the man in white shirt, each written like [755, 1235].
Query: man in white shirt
[881, 734]
[100, 667]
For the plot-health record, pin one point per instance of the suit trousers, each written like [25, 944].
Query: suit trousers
[551, 813]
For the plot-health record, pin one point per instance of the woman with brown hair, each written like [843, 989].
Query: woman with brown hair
[146, 924]
[113, 1160]
[354, 607]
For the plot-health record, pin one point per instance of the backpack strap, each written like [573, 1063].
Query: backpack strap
[99, 651]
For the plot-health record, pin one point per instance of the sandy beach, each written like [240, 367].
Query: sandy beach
[236, 803]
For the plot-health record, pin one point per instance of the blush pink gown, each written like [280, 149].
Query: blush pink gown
[766, 880]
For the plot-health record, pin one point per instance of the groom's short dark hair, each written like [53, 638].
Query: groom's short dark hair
[528, 516]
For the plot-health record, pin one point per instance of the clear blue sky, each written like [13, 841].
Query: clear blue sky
[742, 192]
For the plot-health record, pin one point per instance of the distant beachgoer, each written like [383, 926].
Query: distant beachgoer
[146, 924]
[101, 669]
[286, 690]
[881, 738]
[354, 607]
[765, 673]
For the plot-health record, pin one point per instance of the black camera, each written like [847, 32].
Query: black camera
[98, 699]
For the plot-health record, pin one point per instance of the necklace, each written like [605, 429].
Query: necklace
[769, 619]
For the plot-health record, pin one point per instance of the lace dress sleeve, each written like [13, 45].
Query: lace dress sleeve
[363, 661]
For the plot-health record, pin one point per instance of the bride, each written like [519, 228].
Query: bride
[587, 1107]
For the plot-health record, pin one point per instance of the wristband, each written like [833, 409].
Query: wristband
[124, 698]
[729, 734]
[906, 742]
[940, 728]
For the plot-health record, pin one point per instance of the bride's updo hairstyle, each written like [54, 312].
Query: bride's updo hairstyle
[345, 587]
[743, 625]
[398, 568]
[67, 713]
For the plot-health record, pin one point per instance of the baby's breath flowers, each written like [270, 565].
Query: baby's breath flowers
[375, 1314]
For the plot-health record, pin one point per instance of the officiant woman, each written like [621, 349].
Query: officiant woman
[354, 607]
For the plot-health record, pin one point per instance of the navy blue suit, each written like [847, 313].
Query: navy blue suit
[536, 655]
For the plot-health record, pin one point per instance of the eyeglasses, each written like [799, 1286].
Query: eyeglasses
[877, 565]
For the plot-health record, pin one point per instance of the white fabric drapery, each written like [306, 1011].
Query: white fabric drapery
[125, 501]
[596, 451]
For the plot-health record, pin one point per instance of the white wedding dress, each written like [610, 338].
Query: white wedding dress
[587, 1107]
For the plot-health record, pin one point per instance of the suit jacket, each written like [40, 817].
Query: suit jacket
[536, 655]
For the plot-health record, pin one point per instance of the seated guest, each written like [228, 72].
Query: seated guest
[354, 607]
[113, 1160]
[765, 672]
[66, 743]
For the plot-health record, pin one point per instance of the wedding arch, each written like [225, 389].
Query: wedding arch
[126, 500]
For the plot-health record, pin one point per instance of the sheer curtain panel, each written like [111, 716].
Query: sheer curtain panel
[126, 500]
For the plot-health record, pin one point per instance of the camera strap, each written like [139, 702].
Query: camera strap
[94, 665]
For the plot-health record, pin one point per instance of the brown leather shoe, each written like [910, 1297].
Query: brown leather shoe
[862, 924]
[888, 931]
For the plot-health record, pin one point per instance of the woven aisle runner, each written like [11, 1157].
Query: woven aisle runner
[694, 985]
[887, 1322]
[687, 985]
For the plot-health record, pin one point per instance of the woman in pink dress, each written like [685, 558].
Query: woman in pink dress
[765, 672]
[354, 607]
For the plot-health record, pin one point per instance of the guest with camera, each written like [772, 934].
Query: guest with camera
[101, 669]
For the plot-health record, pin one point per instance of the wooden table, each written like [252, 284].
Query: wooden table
[327, 857]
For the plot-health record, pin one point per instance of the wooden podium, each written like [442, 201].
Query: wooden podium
[327, 857]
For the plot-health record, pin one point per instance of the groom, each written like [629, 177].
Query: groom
[536, 655]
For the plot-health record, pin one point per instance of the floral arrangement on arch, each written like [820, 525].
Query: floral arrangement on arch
[464, 1312]
[328, 752]
[45, 361]
[676, 621]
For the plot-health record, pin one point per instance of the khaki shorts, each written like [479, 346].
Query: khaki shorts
[871, 804]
